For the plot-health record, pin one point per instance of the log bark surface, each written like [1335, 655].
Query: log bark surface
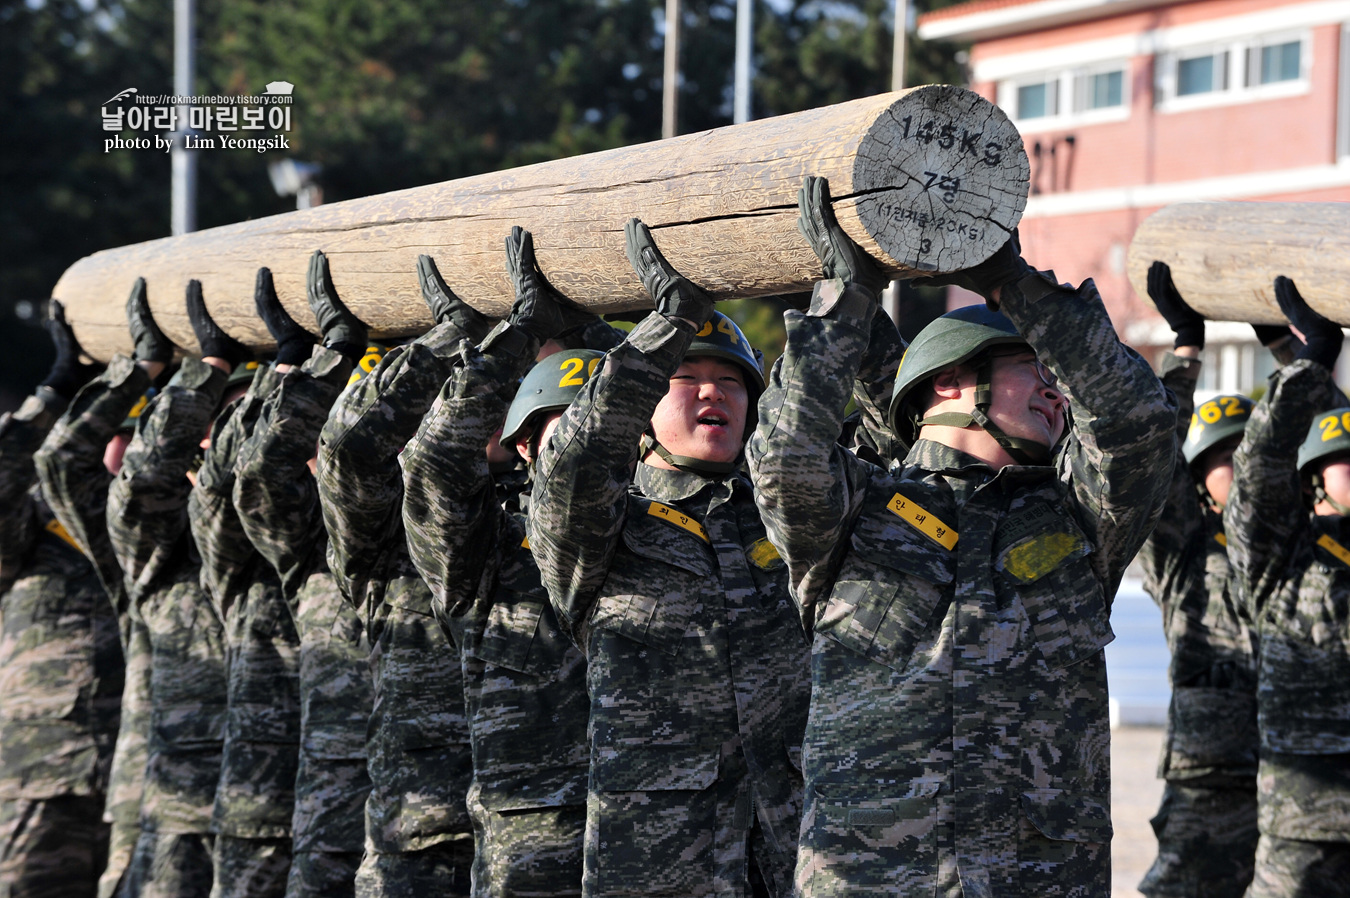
[1225, 256]
[931, 179]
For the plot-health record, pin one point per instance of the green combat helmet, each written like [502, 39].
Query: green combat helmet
[1328, 436]
[242, 374]
[550, 386]
[374, 354]
[953, 339]
[138, 409]
[1214, 421]
[722, 339]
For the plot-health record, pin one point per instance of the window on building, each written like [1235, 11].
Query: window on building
[1037, 100]
[1100, 90]
[1254, 68]
[1067, 97]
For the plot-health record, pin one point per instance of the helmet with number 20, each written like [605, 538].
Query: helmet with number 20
[1214, 421]
[550, 386]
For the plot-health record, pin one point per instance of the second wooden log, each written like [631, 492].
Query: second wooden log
[1225, 256]
[928, 180]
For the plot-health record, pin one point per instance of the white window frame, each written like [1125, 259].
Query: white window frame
[1067, 115]
[1237, 90]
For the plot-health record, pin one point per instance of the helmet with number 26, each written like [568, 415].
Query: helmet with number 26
[1214, 421]
[1328, 436]
[550, 386]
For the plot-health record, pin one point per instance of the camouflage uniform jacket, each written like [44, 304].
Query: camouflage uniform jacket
[871, 436]
[524, 682]
[255, 798]
[60, 661]
[958, 725]
[667, 582]
[148, 524]
[419, 756]
[76, 483]
[1293, 573]
[278, 504]
[1211, 722]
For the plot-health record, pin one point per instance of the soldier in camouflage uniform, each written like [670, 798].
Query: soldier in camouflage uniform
[278, 504]
[255, 797]
[958, 740]
[60, 665]
[418, 835]
[1293, 574]
[148, 523]
[464, 510]
[77, 463]
[1206, 827]
[661, 572]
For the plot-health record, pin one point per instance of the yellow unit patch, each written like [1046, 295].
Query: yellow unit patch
[763, 554]
[923, 521]
[679, 519]
[525, 543]
[1341, 552]
[1221, 539]
[1040, 555]
[54, 527]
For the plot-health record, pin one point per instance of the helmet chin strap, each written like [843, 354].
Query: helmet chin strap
[1320, 495]
[687, 463]
[1024, 452]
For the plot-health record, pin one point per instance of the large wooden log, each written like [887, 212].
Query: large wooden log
[928, 180]
[1225, 256]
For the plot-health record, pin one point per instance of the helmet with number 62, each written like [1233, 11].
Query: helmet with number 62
[1214, 421]
[550, 386]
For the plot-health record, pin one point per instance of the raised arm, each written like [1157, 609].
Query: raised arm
[1266, 507]
[20, 435]
[806, 485]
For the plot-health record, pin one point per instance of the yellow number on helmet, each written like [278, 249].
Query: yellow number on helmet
[1210, 412]
[571, 369]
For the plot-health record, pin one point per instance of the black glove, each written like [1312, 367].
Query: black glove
[68, 373]
[841, 257]
[539, 310]
[446, 306]
[1185, 322]
[151, 344]
[293, 341]
[1004, 267]
[1322, 337]
[342, 331]
[213, 341]
[1268, 334]
[675, 295]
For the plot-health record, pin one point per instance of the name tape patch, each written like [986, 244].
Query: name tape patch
[1341, 553]
[54, 527]
[923, 521]
[679, 519]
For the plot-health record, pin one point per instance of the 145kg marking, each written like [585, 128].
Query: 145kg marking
[946, 138]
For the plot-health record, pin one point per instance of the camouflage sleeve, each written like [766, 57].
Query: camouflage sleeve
[579, 498]
[1266, 509]
[1117, 459]
[147, 502]
[874, 383]
[1163, 554]
[70, 463]
[274, 492]
[450, 508]
[228, 558]
[807, 487]
[20, 436]
[360, 484]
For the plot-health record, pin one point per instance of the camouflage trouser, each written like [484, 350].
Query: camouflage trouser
[1289, 868]
[323, 874]
[250, 868]
[535, 852]
[121, 846]
[52, 847]
[441, 870]
[169, 865]
[1206, 842]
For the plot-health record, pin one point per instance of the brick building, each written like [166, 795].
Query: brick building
[1126, 106]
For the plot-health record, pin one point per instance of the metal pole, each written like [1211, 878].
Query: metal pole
[670, 100]
[183, 202]
[898, 47]
[745, 51]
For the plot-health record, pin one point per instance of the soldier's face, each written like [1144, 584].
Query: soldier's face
[1336, 481]
[532, 440]
[113, 452]
[1215, 468]
[1023, 404]
[702, 415]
